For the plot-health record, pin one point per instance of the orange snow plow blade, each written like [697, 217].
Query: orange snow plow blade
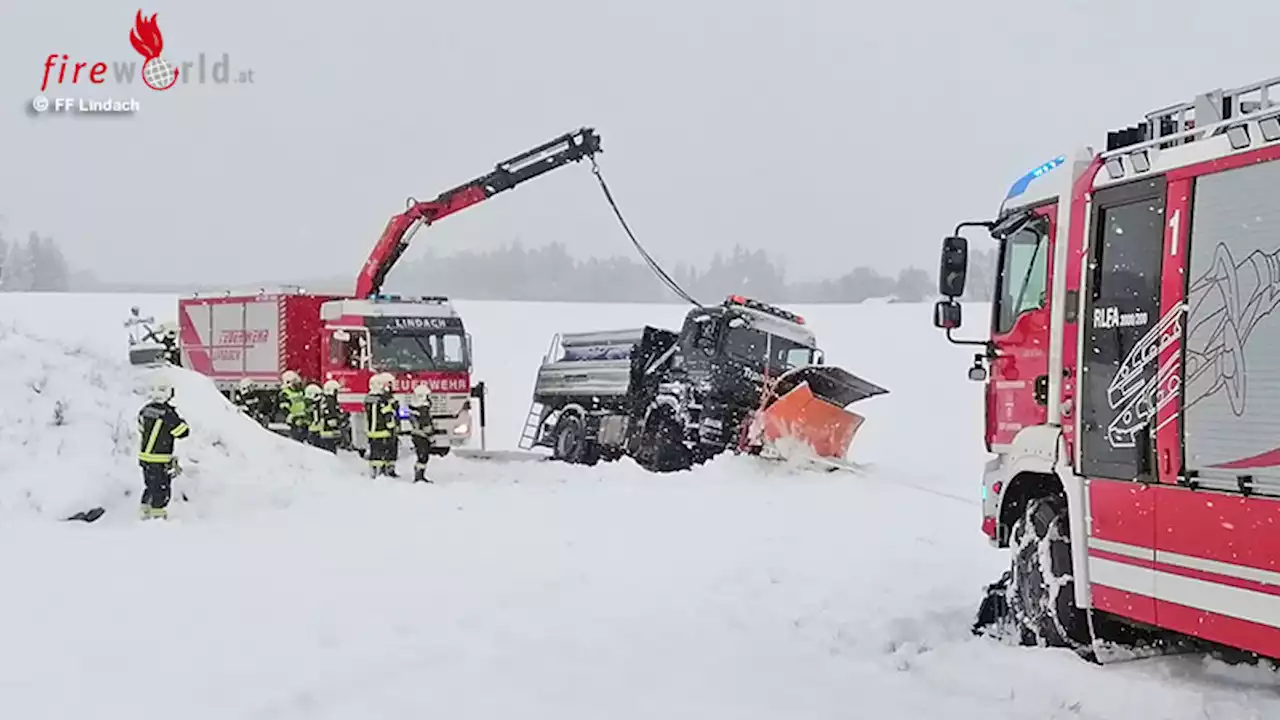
[811, 410]
[801, 417]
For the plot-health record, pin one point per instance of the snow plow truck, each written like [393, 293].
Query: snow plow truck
[743, 376]
[419, 340]
[1132, 400]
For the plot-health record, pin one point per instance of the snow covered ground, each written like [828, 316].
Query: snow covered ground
[290, 586]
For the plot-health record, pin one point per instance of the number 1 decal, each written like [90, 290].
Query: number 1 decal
[1174, 226]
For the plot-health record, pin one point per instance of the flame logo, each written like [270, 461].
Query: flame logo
[157, 73]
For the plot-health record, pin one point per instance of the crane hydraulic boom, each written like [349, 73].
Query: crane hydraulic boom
[570, 147]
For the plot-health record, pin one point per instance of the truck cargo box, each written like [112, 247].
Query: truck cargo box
[251, 336]
[599, 364]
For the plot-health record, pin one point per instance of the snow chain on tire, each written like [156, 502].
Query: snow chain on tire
[1041, 591]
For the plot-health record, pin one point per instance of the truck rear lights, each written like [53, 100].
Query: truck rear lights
[1238, 136]
[1140, 161]
[1270, 128]
[1115, 168]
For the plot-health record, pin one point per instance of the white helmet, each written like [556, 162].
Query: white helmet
[421, 395]
[312, 391]
[331, 387]
[381, 382]
[160, 392]
[289, 377]
[246, 384]
[169, 328]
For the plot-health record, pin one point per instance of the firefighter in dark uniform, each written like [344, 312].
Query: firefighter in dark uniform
[312, 398]
[293, 405]
[330, 424]
[159, 425]
[424, 429]
[250, 401]
[382, 426]
[169, 339]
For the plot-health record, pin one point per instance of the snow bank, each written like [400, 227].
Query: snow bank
[69, 441]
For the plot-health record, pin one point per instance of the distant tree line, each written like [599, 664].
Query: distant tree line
[36, 265]
[550, 273]
[982, 275]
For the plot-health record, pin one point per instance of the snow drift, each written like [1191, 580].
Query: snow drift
[69, 438]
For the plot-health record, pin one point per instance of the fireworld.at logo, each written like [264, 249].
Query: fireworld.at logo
[156, 72]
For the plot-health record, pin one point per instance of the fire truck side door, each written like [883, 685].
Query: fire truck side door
[1017, 391]
[1121, 311]
[1118, 360]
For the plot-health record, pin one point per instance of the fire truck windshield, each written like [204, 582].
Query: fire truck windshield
[420, 350]
[1023, 277]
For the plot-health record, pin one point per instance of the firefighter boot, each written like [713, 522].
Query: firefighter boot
[420, 473]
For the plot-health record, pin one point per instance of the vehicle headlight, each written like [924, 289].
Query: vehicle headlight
[461, 429]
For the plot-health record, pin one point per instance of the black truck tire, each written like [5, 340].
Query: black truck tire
[662, 446]
[571, 442]
[1041, 589]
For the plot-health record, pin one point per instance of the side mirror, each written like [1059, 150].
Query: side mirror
[947, 315]
[954, 266]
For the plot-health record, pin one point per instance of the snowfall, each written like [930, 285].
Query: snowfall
[287, 584]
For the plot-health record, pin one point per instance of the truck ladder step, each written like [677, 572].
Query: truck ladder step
[532, 425]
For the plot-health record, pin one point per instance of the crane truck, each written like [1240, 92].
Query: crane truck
[743, 376]
[259, 335]
[1132, 404]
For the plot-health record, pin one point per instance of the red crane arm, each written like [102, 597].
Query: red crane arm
[570, 147]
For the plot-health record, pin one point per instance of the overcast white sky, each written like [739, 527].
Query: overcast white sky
[831, 132]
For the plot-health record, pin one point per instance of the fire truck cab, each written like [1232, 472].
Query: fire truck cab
[418, 340]
[1132, 373]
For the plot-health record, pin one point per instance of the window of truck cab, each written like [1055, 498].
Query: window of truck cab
[419, 350]
[755, 346]
[1023, 277]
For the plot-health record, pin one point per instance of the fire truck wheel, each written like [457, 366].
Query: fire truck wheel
[1041, 594]
[571, 444]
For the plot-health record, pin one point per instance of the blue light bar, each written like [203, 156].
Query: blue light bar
[1024, 182]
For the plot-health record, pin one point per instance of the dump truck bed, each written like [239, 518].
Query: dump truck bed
[589, 363]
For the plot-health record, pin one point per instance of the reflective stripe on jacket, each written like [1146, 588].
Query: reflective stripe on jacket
[159, 425]
[380, 416]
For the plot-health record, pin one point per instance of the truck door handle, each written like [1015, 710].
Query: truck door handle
[1042, 390]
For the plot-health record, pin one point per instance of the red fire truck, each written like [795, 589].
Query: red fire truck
[1132, 378]
[260, 335]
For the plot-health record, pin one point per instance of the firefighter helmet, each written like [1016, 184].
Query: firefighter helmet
[421, 395]
[312, 392]
[246, 384]
[289, 377]
[160, 391]
[381, 383]
[331, 387]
